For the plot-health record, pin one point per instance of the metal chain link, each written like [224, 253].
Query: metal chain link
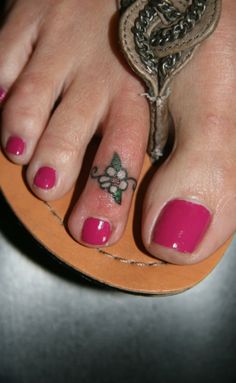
[186, 24]
[139, 30]
[144, 44]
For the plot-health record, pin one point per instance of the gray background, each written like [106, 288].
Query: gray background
[57, 327]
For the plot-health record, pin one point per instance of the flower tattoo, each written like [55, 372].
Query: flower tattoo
[115, 179]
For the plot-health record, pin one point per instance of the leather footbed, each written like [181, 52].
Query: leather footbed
[126, 265]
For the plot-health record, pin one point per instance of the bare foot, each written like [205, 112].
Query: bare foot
[67, 51]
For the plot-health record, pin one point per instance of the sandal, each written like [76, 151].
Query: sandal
[126, 265]
[158, 38]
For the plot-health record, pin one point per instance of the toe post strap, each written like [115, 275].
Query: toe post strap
[158, 38]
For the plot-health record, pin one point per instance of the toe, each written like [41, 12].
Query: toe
[99, 217]
[189, 209]
[26, 113]
[26, 106]
[190, 206]
[17, 38]
[57, 159]
[27, 109]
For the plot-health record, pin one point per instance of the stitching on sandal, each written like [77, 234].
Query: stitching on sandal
[105, 253]
[54, 213]
[131, 261]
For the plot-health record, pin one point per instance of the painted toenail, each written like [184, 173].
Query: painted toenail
[181, 225]
[15, 145]
[3, 94]
[96, 232]
[45, 178]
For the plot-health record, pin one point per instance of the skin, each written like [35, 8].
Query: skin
[45, 57]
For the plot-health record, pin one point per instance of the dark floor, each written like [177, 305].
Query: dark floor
[57, 327]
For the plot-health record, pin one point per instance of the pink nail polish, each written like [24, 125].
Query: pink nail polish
[15, 145]
[181, 225]
[2, 94]
[45, 178]
[96, 232]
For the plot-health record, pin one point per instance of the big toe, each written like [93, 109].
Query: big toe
[190, 206]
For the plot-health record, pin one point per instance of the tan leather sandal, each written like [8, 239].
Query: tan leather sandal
[126, 265]
[158, 38]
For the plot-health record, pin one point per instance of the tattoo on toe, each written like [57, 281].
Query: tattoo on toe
[115, 179]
